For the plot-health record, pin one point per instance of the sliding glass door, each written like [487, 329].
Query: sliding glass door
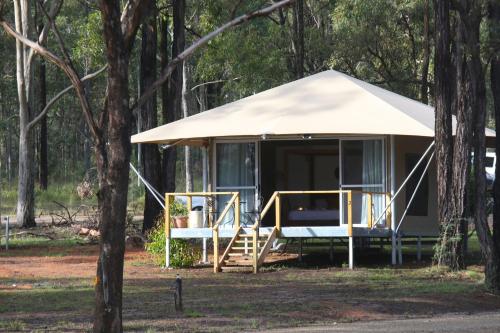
[236, 171]
[363, 171]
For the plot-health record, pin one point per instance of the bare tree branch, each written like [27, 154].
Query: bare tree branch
[72, 75]
[202, 41]
[42, 38]
[61, 94]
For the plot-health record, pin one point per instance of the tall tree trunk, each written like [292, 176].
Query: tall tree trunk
[424, 90]
[461, 156]
[112, 160]
[494, 22]
[43, 138]
[41, 96]
[298, 38]
[173, 108]
[26, 198]
[443, 130]
[185, 113]
[151, 160]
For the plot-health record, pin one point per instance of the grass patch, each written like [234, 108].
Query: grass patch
[193, 314]
[48, 299]
[12, 325]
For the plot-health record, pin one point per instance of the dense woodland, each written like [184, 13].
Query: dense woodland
[388, 43]
[131, 69]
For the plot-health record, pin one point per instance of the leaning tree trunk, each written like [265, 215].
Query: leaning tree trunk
[443, 125]
[150, 157]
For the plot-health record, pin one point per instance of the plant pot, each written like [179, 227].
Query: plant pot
[180, 221]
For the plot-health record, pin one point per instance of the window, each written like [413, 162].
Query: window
[363, 168]
[235, 172]
[419, 206]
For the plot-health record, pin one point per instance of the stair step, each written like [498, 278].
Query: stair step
[241, 261]
[240, 254]
[251, 235]
[237, 269]
[249, 248]
[238, 262]
[260, 241]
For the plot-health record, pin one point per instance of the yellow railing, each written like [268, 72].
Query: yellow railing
[235, 200]
[369, 203]
[275, 199]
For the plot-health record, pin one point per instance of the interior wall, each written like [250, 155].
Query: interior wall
[300, 165]
[416, 225]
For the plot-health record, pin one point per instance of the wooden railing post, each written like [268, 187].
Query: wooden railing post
[278, 213]
[349, 229]
[237, 212]
[189, 202]
[369, 207]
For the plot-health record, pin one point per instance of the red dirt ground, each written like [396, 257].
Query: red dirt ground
[51, 289]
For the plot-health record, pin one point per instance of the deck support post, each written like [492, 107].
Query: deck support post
[168, 200]
[204, 157]
[419, 248]
[393, 208]
[350, 229]
[331, 250]
[167, 252]
[351, 252]
[300, 249]
[400, 249]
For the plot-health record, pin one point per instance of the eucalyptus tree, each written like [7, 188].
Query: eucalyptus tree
[385, 42]
[110, 130]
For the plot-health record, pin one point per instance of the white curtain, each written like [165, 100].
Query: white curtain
[236, 169]
[373, 171]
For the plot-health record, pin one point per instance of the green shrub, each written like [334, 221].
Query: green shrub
[182, 252]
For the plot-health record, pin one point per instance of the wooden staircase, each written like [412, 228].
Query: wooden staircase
[246, 252]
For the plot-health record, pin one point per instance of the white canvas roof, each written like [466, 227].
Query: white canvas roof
[326, 103]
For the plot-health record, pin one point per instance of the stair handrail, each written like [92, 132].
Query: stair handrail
[215, 229]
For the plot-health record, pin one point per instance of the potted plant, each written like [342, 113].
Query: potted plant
[179, 214]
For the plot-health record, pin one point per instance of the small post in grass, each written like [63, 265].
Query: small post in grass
[178, 293]
[6, 220]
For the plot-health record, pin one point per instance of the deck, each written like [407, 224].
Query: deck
[236, 255]
[286, 232]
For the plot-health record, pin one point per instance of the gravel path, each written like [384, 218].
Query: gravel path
[456, 323]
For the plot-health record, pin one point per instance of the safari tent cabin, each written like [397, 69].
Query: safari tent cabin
[325, 156]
